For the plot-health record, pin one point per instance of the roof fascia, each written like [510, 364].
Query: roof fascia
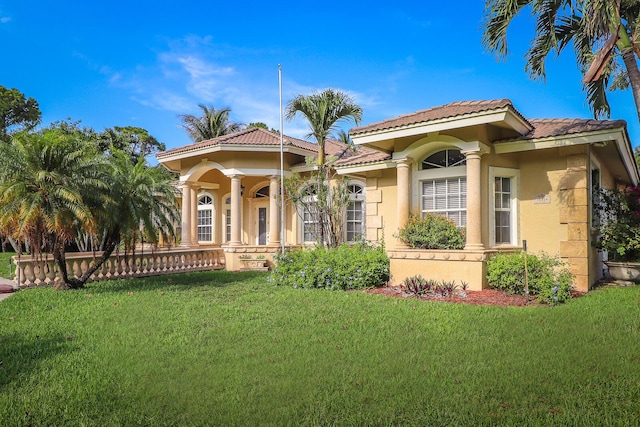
[347, 170]
[233, 147]
[506, 115]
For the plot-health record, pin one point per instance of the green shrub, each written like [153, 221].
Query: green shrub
[349, 266]
[432, 231]
[548, 276]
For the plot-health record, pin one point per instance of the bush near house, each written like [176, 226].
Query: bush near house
[548, 277]
[433, 231]
[349, 266]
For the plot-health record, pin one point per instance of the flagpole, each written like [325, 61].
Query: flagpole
[282, 233]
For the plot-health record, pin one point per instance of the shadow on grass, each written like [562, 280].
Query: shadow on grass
[181, 281]
[20, 355]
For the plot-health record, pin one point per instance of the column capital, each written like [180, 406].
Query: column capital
[235, 176]
[403, 163]
[185, 184]
[474, 152]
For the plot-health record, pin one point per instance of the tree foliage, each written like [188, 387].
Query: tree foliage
[324, 204]
[17, 110]
[602, 33]
[135, 141]
[211, 124]
[56, 185]
[323, 111]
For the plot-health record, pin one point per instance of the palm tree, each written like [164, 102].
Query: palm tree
[141, 204]
[55, 185]
[603, 33]
[212, 124]
[45, 178]
[323, 110]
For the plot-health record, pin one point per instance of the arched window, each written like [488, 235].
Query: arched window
[444, 159]
[263, 192]
[205, 218]
[355, 212]
[443, 185]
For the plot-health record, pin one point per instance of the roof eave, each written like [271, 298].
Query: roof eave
[506, 115]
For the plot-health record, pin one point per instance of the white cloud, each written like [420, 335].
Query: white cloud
[4, 19]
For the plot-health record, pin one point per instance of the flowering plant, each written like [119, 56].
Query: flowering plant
[619, 223]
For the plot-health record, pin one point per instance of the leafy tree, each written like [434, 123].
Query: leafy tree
[212, 124]
[324, 110]
[17, 110]
[135, 141]
[602, 32]
[258, 125]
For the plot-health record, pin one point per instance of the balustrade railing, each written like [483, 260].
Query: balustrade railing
[42, 271]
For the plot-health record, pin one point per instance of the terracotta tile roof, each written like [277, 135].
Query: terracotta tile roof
[251, 136]
[545, 128]
[355, 155]
[453, 109]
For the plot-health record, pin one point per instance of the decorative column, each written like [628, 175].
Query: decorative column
[474, 200]
[403, 189]
[274, 212]
[236, 214]
[194, 214]
[186, 214]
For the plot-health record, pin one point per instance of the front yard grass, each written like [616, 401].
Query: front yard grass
[225, 348]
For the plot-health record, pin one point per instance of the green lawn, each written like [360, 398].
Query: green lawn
[5, 259]
[230, 349]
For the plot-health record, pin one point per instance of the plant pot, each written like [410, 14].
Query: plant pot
[624, 272]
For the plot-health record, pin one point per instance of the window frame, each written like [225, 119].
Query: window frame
[514, 220]
[421, 175]
[208, 207]
[361, 198]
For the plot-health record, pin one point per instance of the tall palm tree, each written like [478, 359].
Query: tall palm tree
[45, 178]
[603, 33]
[212, 124]
[323, 110]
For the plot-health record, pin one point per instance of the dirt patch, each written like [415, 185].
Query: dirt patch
[484, 297]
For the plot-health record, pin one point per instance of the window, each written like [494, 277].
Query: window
[503, 202]
[263, 192]
[355, 213]
[444, 159]
[310, 223]
[440, 185]
[446, 196]
[205, 218]
[227, 219]
[502, 209]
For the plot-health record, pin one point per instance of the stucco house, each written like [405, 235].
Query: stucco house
[502, 176]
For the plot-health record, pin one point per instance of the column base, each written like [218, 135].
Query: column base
[474, 247]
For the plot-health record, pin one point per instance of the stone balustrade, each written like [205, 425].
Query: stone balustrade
[42, 271]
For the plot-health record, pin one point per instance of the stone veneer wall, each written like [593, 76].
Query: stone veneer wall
[574, 188]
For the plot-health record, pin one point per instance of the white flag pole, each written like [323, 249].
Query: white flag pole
[282, 233]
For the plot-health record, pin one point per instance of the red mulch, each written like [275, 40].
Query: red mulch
[484, 297]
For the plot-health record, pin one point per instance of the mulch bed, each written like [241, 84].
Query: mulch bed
[484, 297]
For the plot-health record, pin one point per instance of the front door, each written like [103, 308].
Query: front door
[262, 226]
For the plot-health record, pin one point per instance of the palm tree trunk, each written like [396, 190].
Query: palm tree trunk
[629, 58]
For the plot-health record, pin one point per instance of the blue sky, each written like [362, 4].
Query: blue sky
[142, 63]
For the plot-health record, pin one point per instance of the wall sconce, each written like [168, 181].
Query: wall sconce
[242, 190]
